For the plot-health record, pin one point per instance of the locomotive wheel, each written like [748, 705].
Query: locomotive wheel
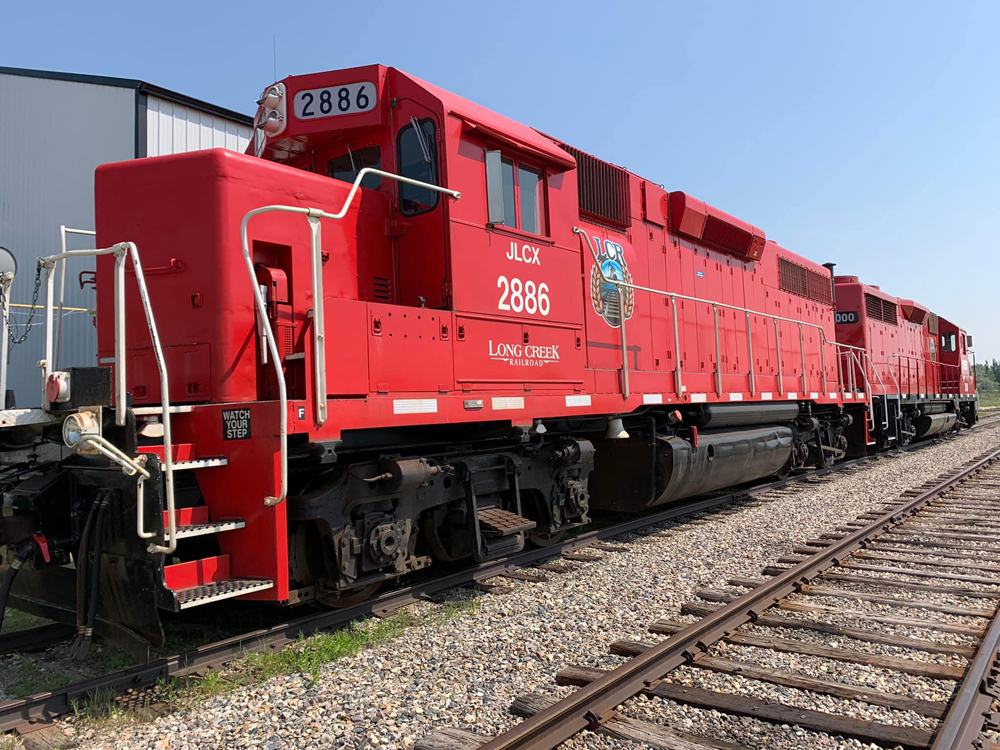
[547, 540]
[306, 564]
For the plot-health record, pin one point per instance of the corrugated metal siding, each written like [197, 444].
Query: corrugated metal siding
[175, 129]
[55, 133]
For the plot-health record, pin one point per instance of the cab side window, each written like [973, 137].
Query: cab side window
[515, 194]
[346, 166]
[417, 152]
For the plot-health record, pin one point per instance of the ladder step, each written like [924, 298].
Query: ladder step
[219, 590]
[499, 522]
[201, 529]
[199, 463]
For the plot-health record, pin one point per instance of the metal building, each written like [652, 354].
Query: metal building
[59, 128]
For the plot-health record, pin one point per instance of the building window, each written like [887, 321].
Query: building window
[418, 160]
[516, 194]
[346, 166]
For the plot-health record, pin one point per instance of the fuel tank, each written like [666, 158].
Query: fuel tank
[933, 424]
[743, 415]
[632, 475]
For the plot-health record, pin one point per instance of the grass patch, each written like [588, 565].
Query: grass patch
[989, 400]
[15, 619]
[306, 656]
[27, 678]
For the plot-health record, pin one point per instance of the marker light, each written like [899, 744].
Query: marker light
[272, 115]
[273, 123]
[270, 98]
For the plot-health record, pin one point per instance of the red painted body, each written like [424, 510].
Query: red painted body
[424, 322]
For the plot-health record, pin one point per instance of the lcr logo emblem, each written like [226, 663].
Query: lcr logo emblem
[607, 301]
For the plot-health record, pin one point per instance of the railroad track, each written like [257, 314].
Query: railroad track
[24, 714]
[945, 534]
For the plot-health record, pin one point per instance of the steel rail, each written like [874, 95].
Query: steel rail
[49, 705]
[963, 723]
[587, 706]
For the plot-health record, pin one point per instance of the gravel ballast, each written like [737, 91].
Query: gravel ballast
[466, 671]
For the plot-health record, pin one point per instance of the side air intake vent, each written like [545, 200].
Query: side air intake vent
[382, 288]
[699, 221]
[881, 309]
[795, 279]
[604, 190]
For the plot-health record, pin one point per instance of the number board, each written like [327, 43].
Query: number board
[345, 99]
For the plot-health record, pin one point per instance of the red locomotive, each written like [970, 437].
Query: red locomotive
[917, 365]
[406, 330]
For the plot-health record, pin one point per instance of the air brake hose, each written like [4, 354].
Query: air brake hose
[81, 569]
[8, 580]
[95, 577]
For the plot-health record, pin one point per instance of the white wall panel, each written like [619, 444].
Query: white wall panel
[54, 135]
[173, 128]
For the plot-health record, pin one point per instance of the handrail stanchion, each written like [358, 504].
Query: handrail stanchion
[621, 325]
[777, 341]
[63, 231]
[318, 340]
[753, 382]
[718, 352]
[5, 283]
[318, 318]
[802, 357]
[677, 343]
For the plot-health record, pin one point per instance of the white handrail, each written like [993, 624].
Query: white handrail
[674, 296]
[319, 375]
[120, 251]
[63, 231]
[6, 280]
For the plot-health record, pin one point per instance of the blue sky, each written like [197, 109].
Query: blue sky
[866, 133]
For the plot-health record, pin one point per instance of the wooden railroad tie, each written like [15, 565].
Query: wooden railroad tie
[773, 712]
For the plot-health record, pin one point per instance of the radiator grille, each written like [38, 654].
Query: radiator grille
[795, 279]
[881, 309]
[604, 189]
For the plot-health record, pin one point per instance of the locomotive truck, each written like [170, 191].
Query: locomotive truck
[402, 331]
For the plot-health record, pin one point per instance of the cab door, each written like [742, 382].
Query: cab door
[419, 225]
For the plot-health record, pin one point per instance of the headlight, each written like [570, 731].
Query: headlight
[79, 426]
